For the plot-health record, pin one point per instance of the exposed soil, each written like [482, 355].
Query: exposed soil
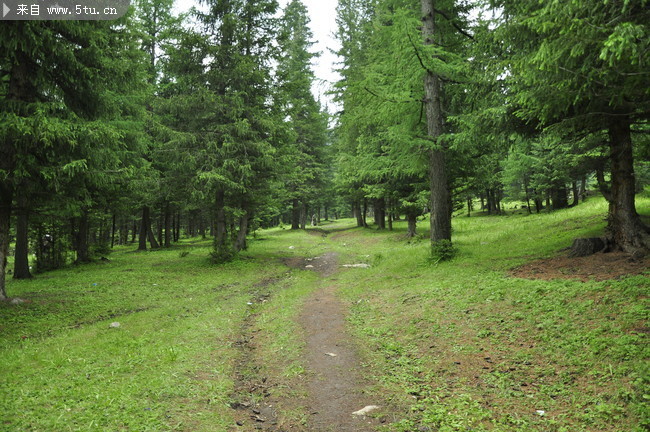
[334, 383]
[336, 387]
[600, 266]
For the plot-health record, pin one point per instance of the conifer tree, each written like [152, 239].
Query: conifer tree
[303, 152]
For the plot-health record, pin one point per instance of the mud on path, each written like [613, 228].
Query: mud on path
[335, 385]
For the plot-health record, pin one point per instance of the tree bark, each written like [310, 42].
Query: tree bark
[356, 209]
[220, 220]
[113, 229]
[528, 199]
[142, 238]
[575, 193]
[412, 224]
[364, 214]
[6, 198]
[168, 226]
[295, 214]
[150, 236]
[440, 217]
[21, 255]
[624, 229]
[240, 242]
[177, 229]
[380, 213]
[559, 197]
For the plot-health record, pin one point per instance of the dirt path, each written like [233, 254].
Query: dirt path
[336, 387]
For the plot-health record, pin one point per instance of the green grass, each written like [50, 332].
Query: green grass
[455, 346]
[464, 346]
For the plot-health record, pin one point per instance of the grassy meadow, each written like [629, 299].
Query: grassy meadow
[455, 346]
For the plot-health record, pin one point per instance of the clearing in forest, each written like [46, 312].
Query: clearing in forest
[286, 338]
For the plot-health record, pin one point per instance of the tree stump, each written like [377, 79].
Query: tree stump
[587, 246]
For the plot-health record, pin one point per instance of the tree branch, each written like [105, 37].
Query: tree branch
[456, 26]
[389, 99]
[417, 54]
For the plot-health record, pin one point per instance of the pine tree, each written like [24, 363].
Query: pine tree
[303, 152]
[580, 68]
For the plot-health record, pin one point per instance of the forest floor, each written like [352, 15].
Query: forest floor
[511, 335]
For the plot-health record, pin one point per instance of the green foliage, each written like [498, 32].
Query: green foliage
[442, 250]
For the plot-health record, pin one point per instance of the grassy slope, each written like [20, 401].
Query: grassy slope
[459, 346]
[463, 346]
[169, 366]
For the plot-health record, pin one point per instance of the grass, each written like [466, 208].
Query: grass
[463, 346]
[455, 346]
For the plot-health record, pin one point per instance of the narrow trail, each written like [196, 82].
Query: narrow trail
[336, 387]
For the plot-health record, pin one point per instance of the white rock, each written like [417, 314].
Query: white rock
[114, 324]
[309, 266]
[331, 354]
[356, 265]
[541, 413]
[292, 247]
[365, 410]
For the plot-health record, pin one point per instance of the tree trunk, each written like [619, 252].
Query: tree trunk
[576, 193]
[303, 216]
[380, 213]
[150, 236]
[440, 217]
[295, 214]
[220, 219]
[6, 198]
[559, 197]
[177, 230]
[21, 255]
[113, 229]
[20, 90]
[528, 199]
[159, 230]
[364, 214]
[83, 252]
[168, 226]
[356, 209]
[624, 229]
[490, 201]
[142, 238]
[583, 188]
[240, 242]
[412, 223]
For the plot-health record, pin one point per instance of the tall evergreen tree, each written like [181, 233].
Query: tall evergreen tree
[58, 79]
[581, 67]
[303, 152]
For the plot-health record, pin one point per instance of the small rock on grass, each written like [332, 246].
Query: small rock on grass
[365, 410]
[331, 354]
[114, 325]
[356, 265]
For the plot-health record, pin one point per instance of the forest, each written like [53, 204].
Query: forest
[456, 124]
[205, 123]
